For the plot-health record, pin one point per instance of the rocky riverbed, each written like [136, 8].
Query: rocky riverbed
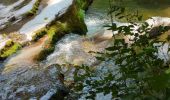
[42, 40]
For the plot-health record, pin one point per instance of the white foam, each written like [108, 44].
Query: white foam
[3, 41]
[157, 21]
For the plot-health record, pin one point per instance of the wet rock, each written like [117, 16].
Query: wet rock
[88, 3]
[60, 94]
[155, 32]
[12, 19]
[34, 81]
[62, 91]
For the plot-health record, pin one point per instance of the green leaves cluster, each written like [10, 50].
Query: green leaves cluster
[141, 74]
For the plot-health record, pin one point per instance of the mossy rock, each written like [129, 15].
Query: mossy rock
[72, 21]
[9, 49]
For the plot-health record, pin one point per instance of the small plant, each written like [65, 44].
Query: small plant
[39, 35]
[140, 74]
[34, 9]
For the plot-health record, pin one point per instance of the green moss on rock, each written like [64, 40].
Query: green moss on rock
[34, 9]
[10, 48]
[54, 33]
[72, 21]
[39, 35]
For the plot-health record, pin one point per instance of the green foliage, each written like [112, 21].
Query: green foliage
[141, 74]
[55, 32]
[34, 9]
[39, 35]
[10, 48]
[83, 4]
[61, 26]
[44, 53]
[81, 14]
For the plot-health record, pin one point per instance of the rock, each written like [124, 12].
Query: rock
[62, 91]
[155, 32]
[34, 81]
[12, 19]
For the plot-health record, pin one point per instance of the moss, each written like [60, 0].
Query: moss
[81, 14]
[39, 35]
[9, 49]
[62, 25]
[34, 9]
[55, 32]
[44, 53]
[84, 4]
[76, 22]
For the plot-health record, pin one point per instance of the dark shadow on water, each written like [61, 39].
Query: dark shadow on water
[154, 4]
[146, 4]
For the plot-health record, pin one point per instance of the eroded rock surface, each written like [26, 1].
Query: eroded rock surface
[34, 81]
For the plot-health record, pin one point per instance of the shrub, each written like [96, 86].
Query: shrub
[140, 74]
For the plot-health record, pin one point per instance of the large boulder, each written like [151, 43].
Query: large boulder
[37, 81]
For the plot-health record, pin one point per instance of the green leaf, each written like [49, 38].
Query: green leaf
[113, 48]
[140, 18]
[100, 58]
[167, 71]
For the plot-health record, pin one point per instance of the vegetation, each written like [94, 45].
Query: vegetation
[39, 35]
[84, 3]
[10, 48]
[151, 1]
[54, 33]
[61, 26]
[139, 73]
[55, 30]
[34, 9]
[136, 71]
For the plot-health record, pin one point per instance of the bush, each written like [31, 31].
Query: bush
[140, 74]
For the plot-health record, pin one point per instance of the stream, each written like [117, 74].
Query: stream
[21, 77]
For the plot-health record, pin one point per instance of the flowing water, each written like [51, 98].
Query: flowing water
[95, 19]
[72, 47]
[29, 77]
